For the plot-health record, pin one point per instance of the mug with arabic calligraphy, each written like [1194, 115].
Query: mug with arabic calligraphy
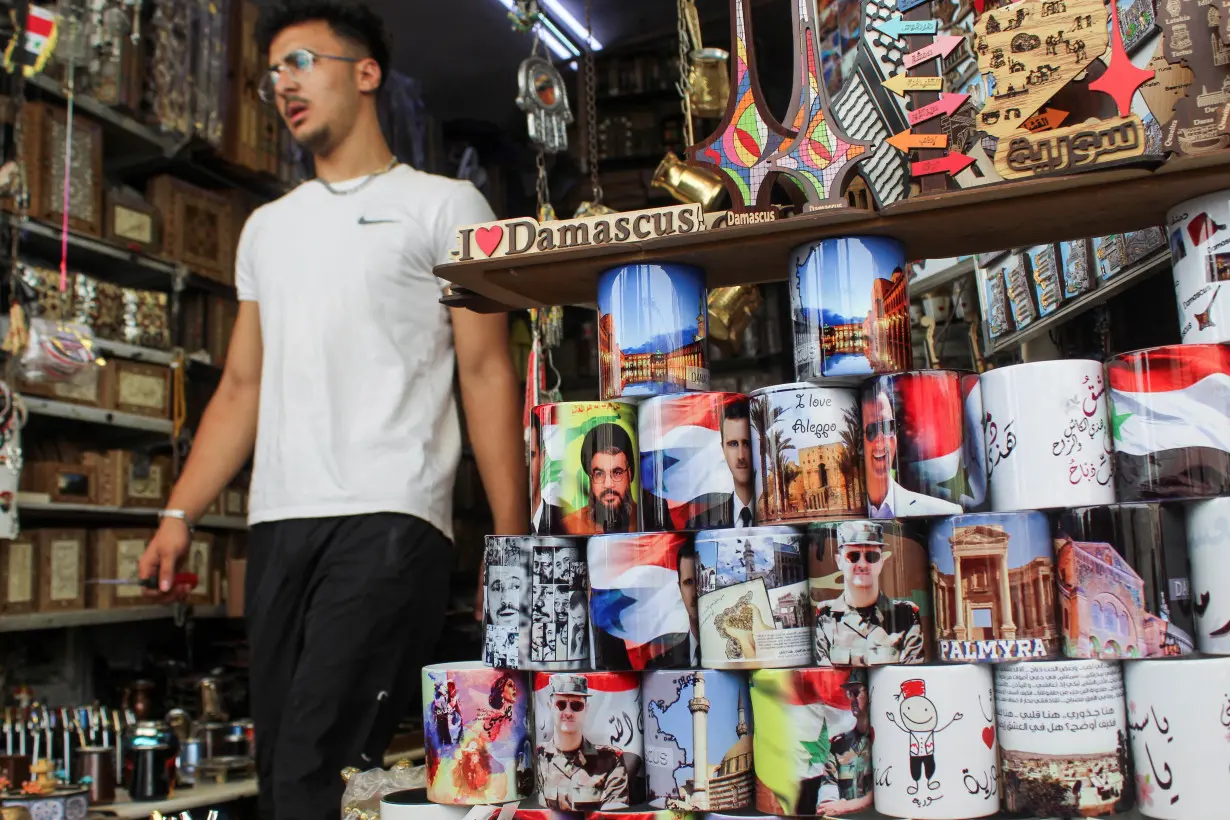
[1063, 722]
[1197, 230]
[1047, 436]
[1208, 544]
[1178, 720]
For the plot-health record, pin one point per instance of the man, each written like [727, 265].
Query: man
[574, 774]
[734, 509]
[687, 589]
[886, 498]
[508, 595]
[863, 626]
[609, 461]
[343, 347]
[568, 567]
[845, 786]
[545, 519]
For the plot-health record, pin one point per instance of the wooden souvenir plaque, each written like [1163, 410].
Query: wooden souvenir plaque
[198, 227]
[1168, 86]
[1192, 36]
[18, 575]
[61, 569]
[44, 138]
[1071, 149]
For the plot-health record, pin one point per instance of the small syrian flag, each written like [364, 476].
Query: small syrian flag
[1171, 398]
[38, 43]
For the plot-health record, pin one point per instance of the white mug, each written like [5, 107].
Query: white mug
[1197, 231]
[1208, 547]
[1047, 436]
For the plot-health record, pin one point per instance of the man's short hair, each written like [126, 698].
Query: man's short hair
[351, 20]
[614, 439]
[734, 411]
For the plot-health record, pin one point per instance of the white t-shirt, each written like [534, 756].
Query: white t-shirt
[357, 412]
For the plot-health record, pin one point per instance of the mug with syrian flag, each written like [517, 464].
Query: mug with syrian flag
[1178, 717]
[653, 327]
[1170, 418]
[805, 445]
[812, 745]
[1208, 544]
[870, 590]
[1125, 582]
[697, 470]
[936, 752]
[914, 450]
[476, 734]
[698, 740]
[589, 747]
[754, 610]
[1197, 231]
[585, 470]
[1047, 435]
[850, 305]
[642, 601]
[1063, 738]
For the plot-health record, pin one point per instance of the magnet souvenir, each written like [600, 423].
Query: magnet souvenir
[653, 320]
[1197, 231]
[1044, 272]
[1178, 717]
[476, 734]
[1047, 436]
[993, 583]
[805, 444]
[559, 614]
[1124, 582]
[754, 610]
[642, 601]
[698, 740]
[1063, 738]
[812, 746]
[589, 468]
[697, 470]
[935, 755]
[870, 593]
[914, 450]
[1208, 540]
[506, 602]
[1170, 418]
[1074, 264]
[589, 748]
[850, 305]
[1109, 255]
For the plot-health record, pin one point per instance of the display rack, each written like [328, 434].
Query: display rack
[199, 796]
[44, 509]
[99, 617]
[957, 223]
[95, 415]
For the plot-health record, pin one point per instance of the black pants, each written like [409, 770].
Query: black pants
[341, 615]
[918, 762]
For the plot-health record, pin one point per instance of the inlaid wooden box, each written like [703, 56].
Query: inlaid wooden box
[18, 575]
[128, 479]
[133, 222]
[252, 126]
[43, 137]
[198, 227]
[114, 553]
[203, 560]
[65, 483]
[61, 569]
[89, 388]
[138, 387]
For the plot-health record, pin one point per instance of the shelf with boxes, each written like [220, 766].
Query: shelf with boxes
[98, 617]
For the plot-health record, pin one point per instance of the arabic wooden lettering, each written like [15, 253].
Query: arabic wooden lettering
[1073, 148]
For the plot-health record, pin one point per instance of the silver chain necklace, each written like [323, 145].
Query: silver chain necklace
[370, 179]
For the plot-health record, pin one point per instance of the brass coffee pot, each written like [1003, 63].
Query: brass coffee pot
[687, 183]
[708, 72]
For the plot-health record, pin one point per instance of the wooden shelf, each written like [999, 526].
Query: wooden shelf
[93, 257]
[199, 796]
[50, 509]
[960, 223]
[99, 617]
[95, 415]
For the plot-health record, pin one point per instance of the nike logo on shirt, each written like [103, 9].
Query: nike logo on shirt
[365, 221]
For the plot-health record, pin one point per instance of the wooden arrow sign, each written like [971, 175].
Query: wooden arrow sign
[908, 141]
[898, 28]
[952, 164]
[946, 105]
[1045, 120]
[940, 48]
[901, 84]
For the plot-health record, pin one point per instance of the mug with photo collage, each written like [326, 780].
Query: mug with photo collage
[506, 601]
[559, 614]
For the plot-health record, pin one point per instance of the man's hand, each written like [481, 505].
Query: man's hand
[165, 552]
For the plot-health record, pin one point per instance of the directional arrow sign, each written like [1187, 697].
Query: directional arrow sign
[906, 141]
[952, 164]
[900, 84]
[947, 104]
[940, 48]
[1045, 120]
[898, 28]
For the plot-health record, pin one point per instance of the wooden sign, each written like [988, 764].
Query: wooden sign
[1168, 86]
[897, 28]
[1032, 49]
[902, 84]
[1192, 36]
[1045, 120]
[942, 47]
[952, 164]
[1074, 148]
[909, 141]
[945, 107]
[514, 237]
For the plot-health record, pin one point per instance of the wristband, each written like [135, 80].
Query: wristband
[179, 514]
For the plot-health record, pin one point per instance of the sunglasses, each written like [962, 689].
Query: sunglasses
[299, 63]
[887, 427]
[872, 556]
[574, 705]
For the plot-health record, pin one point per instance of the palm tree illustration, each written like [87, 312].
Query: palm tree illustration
[851, 458]
[780, 443]
[764, 416]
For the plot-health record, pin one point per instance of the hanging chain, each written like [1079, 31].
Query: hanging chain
[546, 212]
[684, 85]
[591, 113]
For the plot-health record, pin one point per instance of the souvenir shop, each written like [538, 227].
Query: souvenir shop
[801, 292]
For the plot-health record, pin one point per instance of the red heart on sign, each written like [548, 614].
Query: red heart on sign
[489, 239]
[988, 736]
